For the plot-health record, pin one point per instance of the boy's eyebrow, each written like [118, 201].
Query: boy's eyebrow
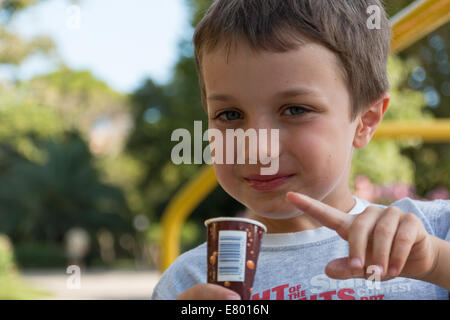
[220, 97]
[293, 92]
[297, 91]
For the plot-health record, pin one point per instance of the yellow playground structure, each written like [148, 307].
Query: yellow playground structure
[408, 26]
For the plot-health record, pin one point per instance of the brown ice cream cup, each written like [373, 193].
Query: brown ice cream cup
[233, 250]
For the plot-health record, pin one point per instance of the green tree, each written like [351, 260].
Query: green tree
[13, 48]
[63, 192]
[49, 179]
[46, 162]
[430, 76]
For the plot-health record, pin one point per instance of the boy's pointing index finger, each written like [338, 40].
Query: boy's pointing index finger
[325, 214]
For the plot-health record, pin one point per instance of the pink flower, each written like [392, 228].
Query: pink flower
[439, 193]
[364, 188]
[400, 191]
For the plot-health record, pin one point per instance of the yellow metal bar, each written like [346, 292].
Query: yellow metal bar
[416, 21]
[435, 130]
[179, 209]
[411, 24]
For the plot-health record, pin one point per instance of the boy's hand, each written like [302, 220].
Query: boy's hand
[395, 241]
[208, 291]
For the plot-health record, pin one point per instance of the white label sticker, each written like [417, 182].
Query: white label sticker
[231, 257]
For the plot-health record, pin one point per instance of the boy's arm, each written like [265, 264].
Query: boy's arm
[440, 274]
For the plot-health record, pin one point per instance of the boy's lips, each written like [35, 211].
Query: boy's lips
[258, 177]
[267, 182]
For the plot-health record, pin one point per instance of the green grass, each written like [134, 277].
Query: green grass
[12, 287]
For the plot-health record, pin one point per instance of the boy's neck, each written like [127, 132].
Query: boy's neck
[304, 221]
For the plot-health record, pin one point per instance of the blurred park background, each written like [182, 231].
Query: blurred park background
[85, 168]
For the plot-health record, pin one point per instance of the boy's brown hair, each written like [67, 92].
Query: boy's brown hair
[282, 25]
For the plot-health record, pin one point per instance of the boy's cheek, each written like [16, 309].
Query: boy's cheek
[225, 176]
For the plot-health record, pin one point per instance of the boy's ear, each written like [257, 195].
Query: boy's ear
[369, 121]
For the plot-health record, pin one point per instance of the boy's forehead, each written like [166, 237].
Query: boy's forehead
[311, 64]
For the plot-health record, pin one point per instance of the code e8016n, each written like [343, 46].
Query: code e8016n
[242, 309]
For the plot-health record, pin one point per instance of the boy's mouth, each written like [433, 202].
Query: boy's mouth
[267, 182]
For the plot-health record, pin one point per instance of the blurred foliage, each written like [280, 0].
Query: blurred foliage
[13, 48]
[124, 172]
[14, 288]
[47, 164]
[77, 96]
[11, 286]
[430, 75]
[40, 255]
[62, 192]
[10, 7]
[50, 180]
[6, 256]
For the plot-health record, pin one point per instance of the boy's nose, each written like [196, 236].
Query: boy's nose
[264, 148]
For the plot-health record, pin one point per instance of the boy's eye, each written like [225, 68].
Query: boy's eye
[229, 115]
[232, 115]
[296, 110]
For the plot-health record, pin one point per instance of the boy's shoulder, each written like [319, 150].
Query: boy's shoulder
[431, 209]
[434, 214]
[424, 205]
[190, 262]
[414, 204]
[186, 271]
[193, 254]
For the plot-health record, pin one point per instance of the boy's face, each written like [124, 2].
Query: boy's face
[316, 136]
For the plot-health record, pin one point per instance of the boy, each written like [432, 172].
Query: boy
[316, 72]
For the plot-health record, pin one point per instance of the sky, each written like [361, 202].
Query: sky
[122, 42]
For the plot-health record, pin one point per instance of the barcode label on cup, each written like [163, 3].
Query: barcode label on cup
[231, 256]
